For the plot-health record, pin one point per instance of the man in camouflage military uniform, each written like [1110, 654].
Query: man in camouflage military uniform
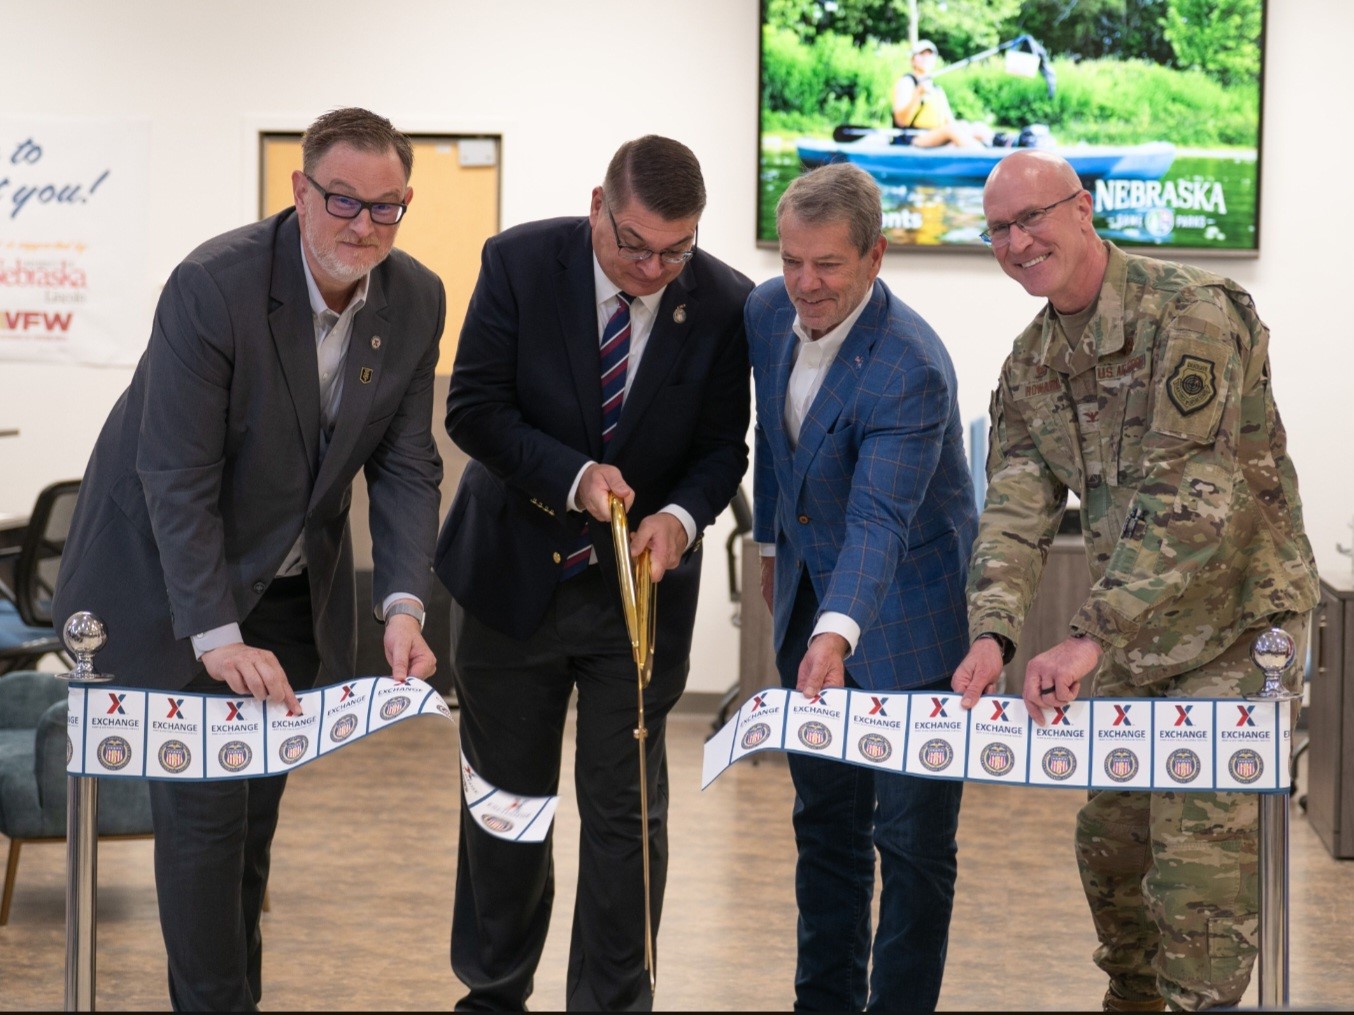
[1144, 386]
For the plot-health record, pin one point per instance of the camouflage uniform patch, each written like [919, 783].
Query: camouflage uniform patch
[1190, 385]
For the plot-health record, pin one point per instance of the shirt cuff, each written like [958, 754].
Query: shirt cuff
[226, 634]
[571, 502]
[688, 523]
[766, 549]
[838, 623]
[393, 598]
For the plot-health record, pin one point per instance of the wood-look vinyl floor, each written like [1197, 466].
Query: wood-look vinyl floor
[363, 878]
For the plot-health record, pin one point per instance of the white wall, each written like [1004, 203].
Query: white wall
[564, 84]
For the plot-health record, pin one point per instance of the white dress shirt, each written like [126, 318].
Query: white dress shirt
[643, 311]
[813, 359]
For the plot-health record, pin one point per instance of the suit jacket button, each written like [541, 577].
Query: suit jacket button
[556, 557]
[803, 519]
[259, 587]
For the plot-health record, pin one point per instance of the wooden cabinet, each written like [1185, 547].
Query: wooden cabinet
[1329, 716]
[1062, 590]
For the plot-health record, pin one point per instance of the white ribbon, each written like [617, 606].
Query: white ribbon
[121, 732]
[1186, 744]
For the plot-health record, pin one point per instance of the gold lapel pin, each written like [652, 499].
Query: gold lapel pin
[376, 341]
[679, 315]
[364, 375]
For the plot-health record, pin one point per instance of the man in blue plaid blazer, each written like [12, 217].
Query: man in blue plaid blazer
[866, 516]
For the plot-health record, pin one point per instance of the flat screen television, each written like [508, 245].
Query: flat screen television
[1156, 103]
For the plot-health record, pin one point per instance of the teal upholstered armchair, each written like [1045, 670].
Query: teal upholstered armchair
[33, 774]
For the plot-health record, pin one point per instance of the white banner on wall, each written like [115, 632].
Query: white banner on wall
[73, 251]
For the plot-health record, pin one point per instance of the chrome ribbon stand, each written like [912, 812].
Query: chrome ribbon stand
[84, 635]
[1273, 653]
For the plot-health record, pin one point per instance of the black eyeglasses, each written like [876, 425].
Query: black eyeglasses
[637, 254]
[1030, 222]
[341, 206]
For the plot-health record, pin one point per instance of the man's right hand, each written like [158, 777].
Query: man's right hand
[252, 671]
[978, 672]
[599, 482]
[769, 581]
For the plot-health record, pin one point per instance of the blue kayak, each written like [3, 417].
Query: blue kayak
[948, 166]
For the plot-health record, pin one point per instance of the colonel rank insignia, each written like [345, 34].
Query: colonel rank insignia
[1190, 386]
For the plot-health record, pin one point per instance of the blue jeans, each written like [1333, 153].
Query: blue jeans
[842, 814]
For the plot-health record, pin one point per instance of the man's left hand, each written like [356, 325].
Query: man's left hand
[1054, 677]
[664, 536]
[824, 664]
[406, 651]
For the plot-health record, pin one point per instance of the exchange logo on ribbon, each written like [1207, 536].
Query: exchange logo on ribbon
[131, 733]
[1139, 743]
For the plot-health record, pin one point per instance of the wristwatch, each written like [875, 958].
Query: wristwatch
[409, 610]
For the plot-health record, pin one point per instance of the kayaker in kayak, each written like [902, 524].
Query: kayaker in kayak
[922, 105]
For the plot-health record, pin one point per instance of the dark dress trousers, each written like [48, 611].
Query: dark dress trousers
[209, 467]
[525, 404]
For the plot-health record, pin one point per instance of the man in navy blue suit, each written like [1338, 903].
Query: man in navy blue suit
[600, 355]
[866, 516]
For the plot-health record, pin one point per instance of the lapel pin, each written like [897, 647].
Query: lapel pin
[679, 315]
[376, 341]
[364, 375]
[859, 362]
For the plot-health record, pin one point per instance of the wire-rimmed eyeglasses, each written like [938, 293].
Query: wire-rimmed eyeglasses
[636, 254]
[999, 235]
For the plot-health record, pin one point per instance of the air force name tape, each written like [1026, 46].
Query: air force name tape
[131, 733]
[1136, 743]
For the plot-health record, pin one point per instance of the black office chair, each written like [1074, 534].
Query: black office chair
[742, 524]
[27, 632]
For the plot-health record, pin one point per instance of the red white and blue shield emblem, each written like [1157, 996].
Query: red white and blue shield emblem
[936, 755]
[815, 735]
[874, 747]
[1121, 764]
[174, 756]
[1059, 763]
[756, 734]
[235, 756]
[1183, 765]
[114, 753]
[1246, 766]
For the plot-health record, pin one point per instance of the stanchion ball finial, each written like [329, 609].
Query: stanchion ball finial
[1273, 651]
[84, 634]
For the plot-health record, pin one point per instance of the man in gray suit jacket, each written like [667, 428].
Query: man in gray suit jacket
[211, 534]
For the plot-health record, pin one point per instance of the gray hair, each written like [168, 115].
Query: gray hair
[834, 193]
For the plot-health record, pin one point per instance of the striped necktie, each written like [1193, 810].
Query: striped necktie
[615, 359]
